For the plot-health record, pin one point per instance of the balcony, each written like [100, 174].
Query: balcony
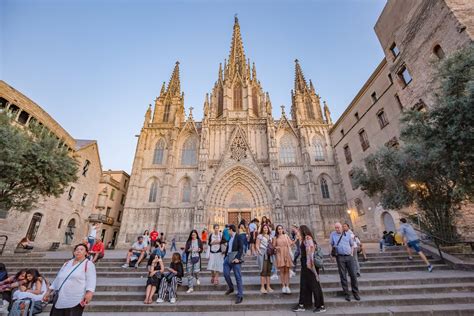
[104, 219]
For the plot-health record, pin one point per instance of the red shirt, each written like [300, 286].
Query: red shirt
[98, 248]
[154, 235]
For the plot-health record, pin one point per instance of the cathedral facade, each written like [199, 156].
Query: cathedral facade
[239, 162]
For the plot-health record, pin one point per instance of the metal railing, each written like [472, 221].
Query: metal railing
[4, 243]
[438, 241]
[101, 218]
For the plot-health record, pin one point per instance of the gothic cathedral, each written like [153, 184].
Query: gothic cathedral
[238, 162]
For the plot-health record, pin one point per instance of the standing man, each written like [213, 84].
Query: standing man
[347, 229]
[233, 261]
[342, 244]
[412, 241]
[295, 237]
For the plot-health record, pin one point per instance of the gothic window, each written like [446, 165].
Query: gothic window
[159, 152]
[189, 152]
[237, 96]
[318, 149]
[309, 110]
[220, 102]
[255, 101]
[153, 191]
[287, 150]
[186, 191]
[292, 183]
[324, 189]
[166, 114]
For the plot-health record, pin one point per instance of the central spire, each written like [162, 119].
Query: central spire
[300, 81]
[237, 61]
[174, 86]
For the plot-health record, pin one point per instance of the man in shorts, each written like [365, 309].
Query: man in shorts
[138, 251]
[412, 241]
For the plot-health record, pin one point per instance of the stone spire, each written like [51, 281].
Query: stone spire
[254, 72]
[163, 89]
[147, 116]
[237, 61]
[220, 73]
[174, 86]
[300, 81]
[327, 113]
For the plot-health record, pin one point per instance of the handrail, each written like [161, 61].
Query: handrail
[437, 240]
[4, 243]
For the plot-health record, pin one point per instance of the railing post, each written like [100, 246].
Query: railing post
[439, 250]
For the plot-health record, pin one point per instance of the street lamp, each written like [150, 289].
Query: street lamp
[349, 212]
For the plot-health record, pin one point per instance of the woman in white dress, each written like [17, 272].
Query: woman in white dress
[216, 259]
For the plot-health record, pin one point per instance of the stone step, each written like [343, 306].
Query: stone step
[137, 285]
[132, 272]
[101, 266]
[280, 304]
[213, 295]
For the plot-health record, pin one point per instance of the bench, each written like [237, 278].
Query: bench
[54, 246]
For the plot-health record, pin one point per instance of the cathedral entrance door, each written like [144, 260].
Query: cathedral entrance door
[236, 217]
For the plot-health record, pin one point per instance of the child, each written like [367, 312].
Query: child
[170, 281]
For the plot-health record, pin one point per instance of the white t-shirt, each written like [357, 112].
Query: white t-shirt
[252, 227]
[138, 246]
[76, 285]
[92, 232]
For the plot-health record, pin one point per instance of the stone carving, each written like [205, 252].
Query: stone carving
[238, 149]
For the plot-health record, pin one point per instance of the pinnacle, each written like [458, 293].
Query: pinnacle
[300, 81]
[174, 85]
[237, 60]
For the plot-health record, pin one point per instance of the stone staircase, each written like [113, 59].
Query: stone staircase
[389, 285]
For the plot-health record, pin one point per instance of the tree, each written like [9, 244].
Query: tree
[433, 169]
[32, 165]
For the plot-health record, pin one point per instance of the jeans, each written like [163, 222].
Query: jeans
[382, 244]
[238, 276]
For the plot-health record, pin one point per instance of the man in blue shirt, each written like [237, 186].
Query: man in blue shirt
[412, 241]
[233, 261]
[343, 244]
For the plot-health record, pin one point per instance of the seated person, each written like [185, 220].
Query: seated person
[138, 250]
[160, 249]
[97, 252]
[25, 243]
[389, 239]
[34, 288]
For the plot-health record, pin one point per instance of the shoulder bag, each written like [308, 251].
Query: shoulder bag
[53, 297]
[333, 250]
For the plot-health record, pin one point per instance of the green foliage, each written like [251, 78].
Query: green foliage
[433, 169]
[31, 165]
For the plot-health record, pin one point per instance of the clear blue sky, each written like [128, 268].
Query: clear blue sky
[95, 65]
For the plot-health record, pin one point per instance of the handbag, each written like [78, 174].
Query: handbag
[333, 250]
[53, 297]
[270, 249]
[194, 259]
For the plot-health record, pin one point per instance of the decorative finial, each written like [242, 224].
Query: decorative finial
[282, 109]
[191, 111]
[296, 60]
[236, 19]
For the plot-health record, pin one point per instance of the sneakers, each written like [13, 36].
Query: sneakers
[173, 300]
[159, 300]
[288, 291]
[299, 308]
[125, 265]
[283, 289]
[190, 290]
[274, 277]
[136, 265]
[292, 273]
[321, 309]
[430, 268]
[198, 282]
[410, 258]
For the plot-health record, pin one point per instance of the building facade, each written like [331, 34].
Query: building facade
[238, 162]
[415, 36]
[113, 187]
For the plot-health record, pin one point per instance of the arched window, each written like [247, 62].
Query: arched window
[220, 102]
[153, 192]
[292, 183]
[237, 96]
[186, 191]
[34, 226]
[309, 110]
[287, 150]
[166, 114]
[189, 152]
[359, 207]
[70, 230]
[159, 152]
[318, 149]
[324, 189]
[255, 101]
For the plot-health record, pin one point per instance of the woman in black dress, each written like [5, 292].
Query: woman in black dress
[309, 278]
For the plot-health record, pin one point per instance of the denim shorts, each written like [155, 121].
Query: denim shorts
[415, 245]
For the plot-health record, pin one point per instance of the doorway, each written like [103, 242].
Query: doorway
[388, 222]
[70, 230]
[236, 217]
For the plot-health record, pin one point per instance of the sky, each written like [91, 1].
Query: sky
[95, 65]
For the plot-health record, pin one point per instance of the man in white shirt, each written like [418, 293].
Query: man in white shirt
[138, 250]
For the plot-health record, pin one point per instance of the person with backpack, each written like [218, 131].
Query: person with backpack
[74, 285]
[309, 278]
[216, 260]
[264, 252]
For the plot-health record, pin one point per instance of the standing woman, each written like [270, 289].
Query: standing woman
[284, 262]
[216, 259]
[146, 240]
[263, 260]
[309, 278]
[75, 284]
[193, 251]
